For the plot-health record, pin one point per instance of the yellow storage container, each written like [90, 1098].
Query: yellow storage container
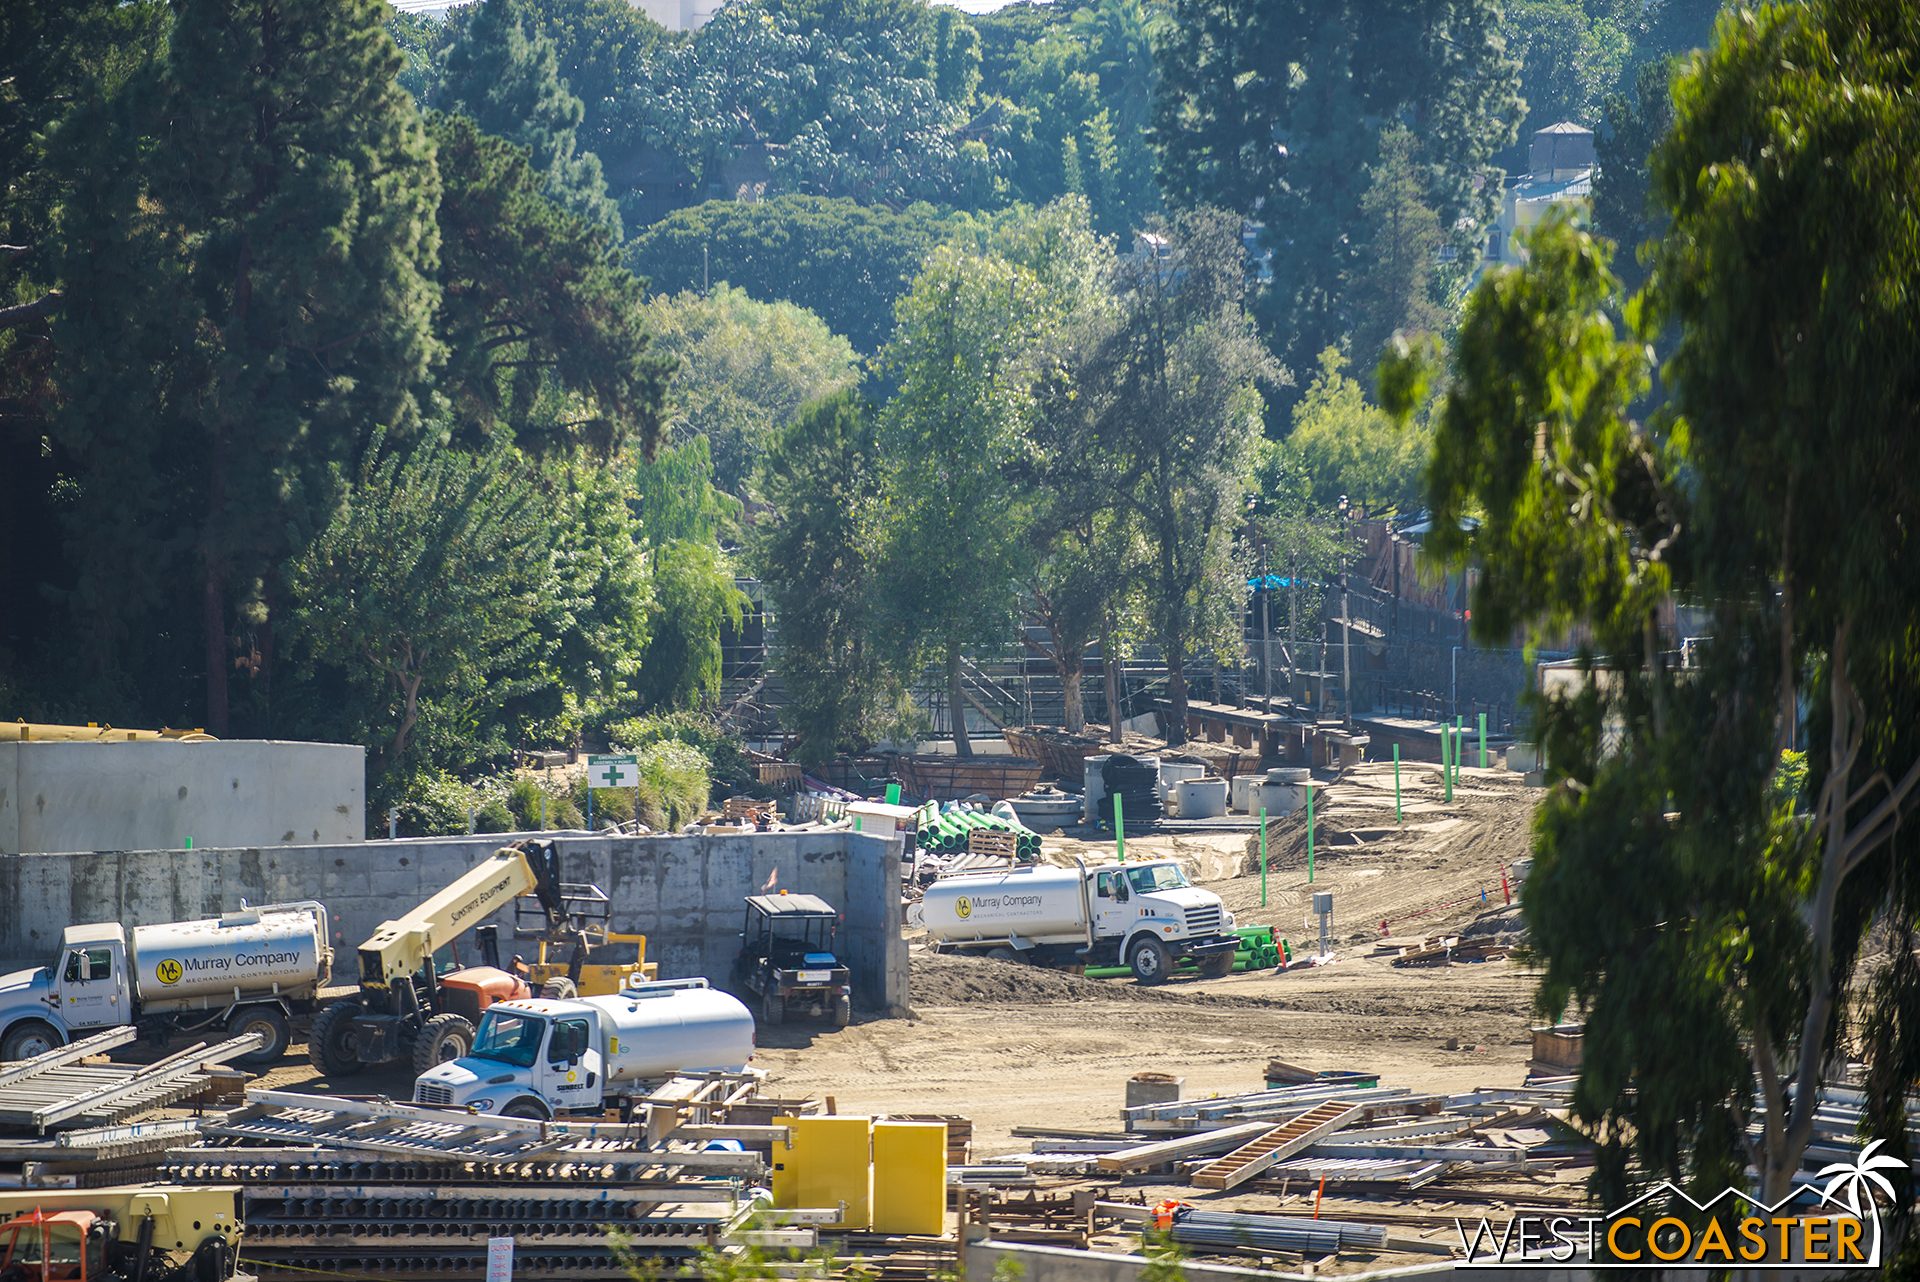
[910, 1177]
[830, 1160]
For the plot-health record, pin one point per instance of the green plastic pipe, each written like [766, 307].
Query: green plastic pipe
[1263, 856]
[1483, 741]
[1119, 829]
[1397, 816]
[893, 794]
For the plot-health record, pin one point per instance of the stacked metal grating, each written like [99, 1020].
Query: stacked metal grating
[1230, 1230]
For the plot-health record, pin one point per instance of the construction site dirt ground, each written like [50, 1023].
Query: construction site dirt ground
[1008, 1045]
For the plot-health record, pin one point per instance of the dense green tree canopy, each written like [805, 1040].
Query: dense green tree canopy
[1700, 897]
[745, 370]
[1264, 110]
[843, 262]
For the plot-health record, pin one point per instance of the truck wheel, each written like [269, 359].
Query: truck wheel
[773, 1008]
[842, 1011]
[332, 1045]
[1217, 967]
[559, 989]
[526, 1107]
[270, 1020]
[444, 1039]
[28, 1038]
[1150, 961]
[1006, 955]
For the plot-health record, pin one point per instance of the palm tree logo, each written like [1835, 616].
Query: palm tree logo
[1857, 1180]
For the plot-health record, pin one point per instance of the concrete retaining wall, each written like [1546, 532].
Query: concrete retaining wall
[683, 892]
[154, 796]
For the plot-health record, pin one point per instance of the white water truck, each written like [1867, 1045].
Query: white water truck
[251, 971]
[546, 1058]
[1144, 915]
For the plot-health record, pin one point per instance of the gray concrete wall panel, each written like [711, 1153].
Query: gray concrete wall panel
[683, 892]
[63, 796]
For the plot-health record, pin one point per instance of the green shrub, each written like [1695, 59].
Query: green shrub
[674, 782]
[432, 804]
[722, 749]
[610, 805]
[523, 799]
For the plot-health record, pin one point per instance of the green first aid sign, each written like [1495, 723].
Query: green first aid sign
[613, 772]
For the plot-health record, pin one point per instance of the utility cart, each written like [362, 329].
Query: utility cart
[786, 957]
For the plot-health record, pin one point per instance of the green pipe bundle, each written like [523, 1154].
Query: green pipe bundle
[947, 832]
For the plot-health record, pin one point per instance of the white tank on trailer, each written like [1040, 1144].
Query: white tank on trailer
[1042, 904]
[253, 950]
[652, 1030]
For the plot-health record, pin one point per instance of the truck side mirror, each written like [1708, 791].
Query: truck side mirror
[1120, 891]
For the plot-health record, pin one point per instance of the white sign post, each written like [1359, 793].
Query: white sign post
[499, 1259]
[617, 771]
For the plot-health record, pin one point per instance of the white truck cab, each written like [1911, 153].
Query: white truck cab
[543, 1058]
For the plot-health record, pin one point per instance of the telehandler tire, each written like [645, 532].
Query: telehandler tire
[445, 1038]
[332, 1045]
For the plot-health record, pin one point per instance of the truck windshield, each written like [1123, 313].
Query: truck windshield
[1156, 877]
[509, 1037]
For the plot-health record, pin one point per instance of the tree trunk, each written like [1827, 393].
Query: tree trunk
[1072, 668]
[1110, 664]
[214, 620]
[957, 704]
[1175, 731]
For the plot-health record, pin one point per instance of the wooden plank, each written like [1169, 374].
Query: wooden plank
[1133, 1159]
[1421, 1152]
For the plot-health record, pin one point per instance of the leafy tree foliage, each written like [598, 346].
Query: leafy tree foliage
[844, 669]
[1622, 197]
[1701, 902]
[508, 82]
[424, 589]
[1262, 110]
[243, 303]
[1175, 399]
[746, 369]
[1347, 447]
[545, 335]
[680, 513]
[841, 261]
[1391, 286]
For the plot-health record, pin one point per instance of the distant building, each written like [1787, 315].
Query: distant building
[679, 15]
[674, 15]
[1559, 173]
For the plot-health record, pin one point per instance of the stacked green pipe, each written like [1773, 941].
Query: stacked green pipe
[945, 832]
[1259, 950]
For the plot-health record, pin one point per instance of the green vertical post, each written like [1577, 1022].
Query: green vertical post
[1459, 746]
[893, 790]
[1263, 856]
[1119, 829]
[1309, 832]
[1483, 741]
[1397, 816]
[189, 843]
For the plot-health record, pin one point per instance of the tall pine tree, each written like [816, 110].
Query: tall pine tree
[248, 262]
[508, 82]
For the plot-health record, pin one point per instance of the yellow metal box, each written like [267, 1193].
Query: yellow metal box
[828, 1161]
[910, 1177]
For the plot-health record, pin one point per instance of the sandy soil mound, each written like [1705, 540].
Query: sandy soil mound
[964, 980]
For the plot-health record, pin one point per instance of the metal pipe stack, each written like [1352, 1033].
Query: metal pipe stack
[1273, 1234]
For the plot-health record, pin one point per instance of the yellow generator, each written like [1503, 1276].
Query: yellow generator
[158, 1234]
